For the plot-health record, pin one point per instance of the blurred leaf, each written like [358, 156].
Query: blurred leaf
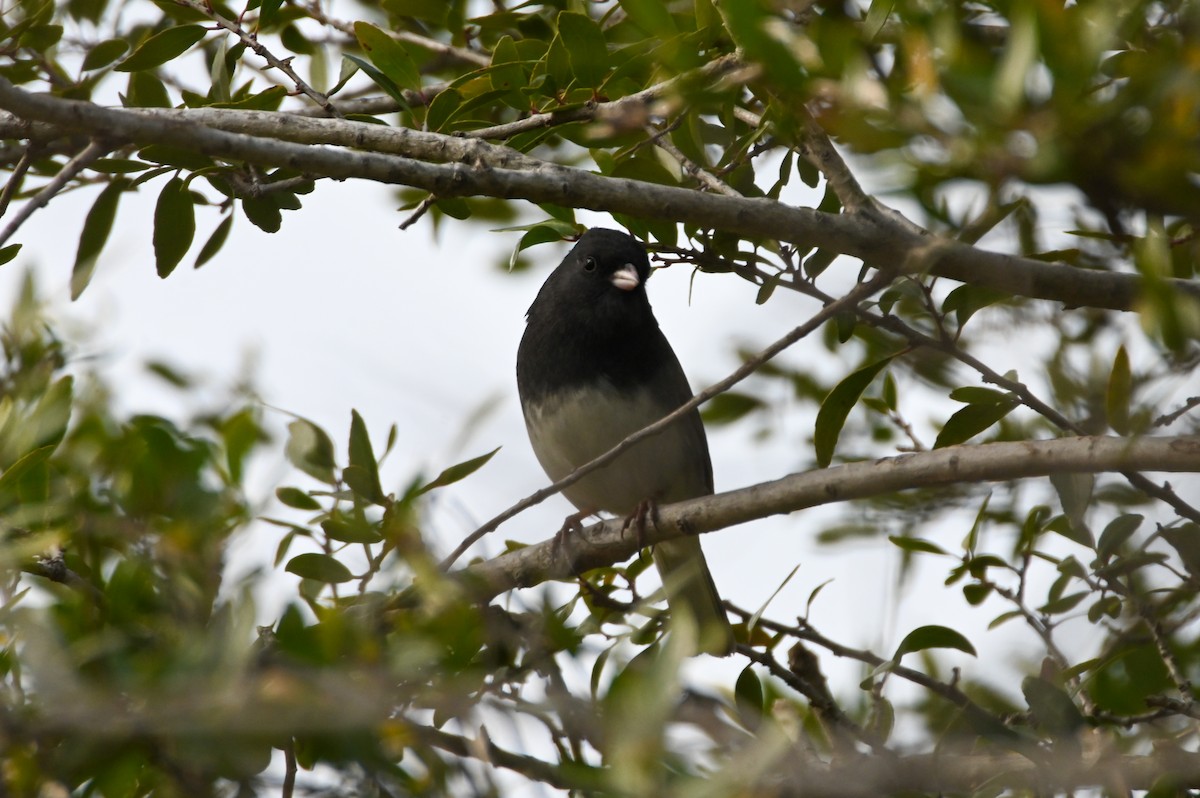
[926, 637]
[318, 567]
[1119, 530]
[8, 253]
[728, 407]
[362, 475]
[651, 16]
[837, 406]
[104, 53]
[1064, 603]
[458, 472]
[972, 420]
[1052, 708]
[310, 449]
[1185, 539]
[96, 227]
[215, 241]
[162, 47]
[1075, 493]
[296, 499]
[351, 530]
[748, 695]
[1117, 396]
[916, 545]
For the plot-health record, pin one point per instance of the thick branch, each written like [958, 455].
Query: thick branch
[943, 773]
[873, 236]
[604, 543]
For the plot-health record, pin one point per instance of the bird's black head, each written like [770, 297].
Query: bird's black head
[602, 278]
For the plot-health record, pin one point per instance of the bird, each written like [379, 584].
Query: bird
[593, 367]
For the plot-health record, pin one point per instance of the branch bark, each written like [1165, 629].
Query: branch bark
[605, 543]
[871, 234]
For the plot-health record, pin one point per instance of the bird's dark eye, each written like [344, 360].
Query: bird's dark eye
[589, 264]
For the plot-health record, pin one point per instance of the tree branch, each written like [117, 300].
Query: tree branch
[873, 235]
[606, 542]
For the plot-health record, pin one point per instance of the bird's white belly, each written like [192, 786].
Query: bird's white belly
[568, 430]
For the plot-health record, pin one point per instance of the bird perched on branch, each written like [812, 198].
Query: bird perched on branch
[593, 367]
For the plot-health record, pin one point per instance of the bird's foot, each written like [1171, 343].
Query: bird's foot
[572, 524]
[646, 509]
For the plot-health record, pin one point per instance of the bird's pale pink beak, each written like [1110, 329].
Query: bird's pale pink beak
[626, 278]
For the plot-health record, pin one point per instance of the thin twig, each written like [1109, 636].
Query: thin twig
[94, 150]
[853, 297]
[18, 176]
[700, 174]
[1170, 418]
[283, 65]
[420, 211]
[636, 104]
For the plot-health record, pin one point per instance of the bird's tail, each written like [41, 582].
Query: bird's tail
[690, 588]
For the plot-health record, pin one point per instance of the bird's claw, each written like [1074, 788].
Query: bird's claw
[573, 523]
[647, 508]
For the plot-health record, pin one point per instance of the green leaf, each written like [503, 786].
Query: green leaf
[543, 232]
[215, 241]
[926, 637]
[162, 47]
[965, 300]
[147, 91]
[1185, 539]
[975, 593]
[10, 476]
[977, 395]
[1064, 603]
[263, 214]
[586, 48]
[651, 16]
[836, 408]
[1075, 495]
[8, 253]
[1117, 396]
[174, 226]
[457, 472]
[1116, 533]
[748, 694]
[506, 72]
[388, 55]
[362, 460]
[877, 16]
[310, 449]
[725, 408]
[319, 567]
[383, 81]
[296, 499]
[442, 108]
[972, 420]
[104, 53]
[916, 544]
[348, 530]
[96, 227]
[175, 156]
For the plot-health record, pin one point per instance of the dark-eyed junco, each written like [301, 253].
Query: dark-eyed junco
[593, 368]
